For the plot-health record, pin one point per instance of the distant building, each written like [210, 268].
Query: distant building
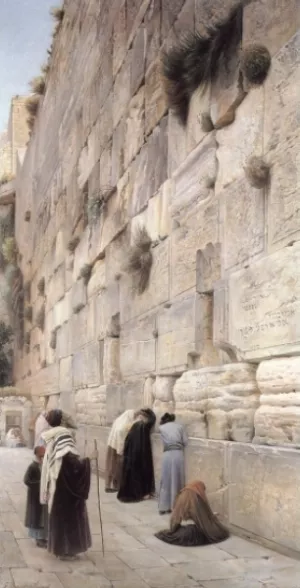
[15, 137]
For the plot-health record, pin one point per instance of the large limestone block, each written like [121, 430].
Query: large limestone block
[177, 334]
[156, 217]
[119, 38]
[190, 179]
[64, 341]
[283, 198]
[157, 292]
[91, 406]
[271, 22]
[281, 118]
[79, 328]
[197, 228]
[115, 216]
[155, 99]
[177, 144]
[135, 126]
[137, 346]
[208, 267]
[262, 492]
[111, 361]
[97, 280]
[149, 392]
[87, 365]
[277, 421]
[243, 213]
[163, 395]
[121, 95]
[62, 311]
[224, 397]
[65, 374]
[138, 59]
[56, 286]
[241, 139]
[263, 306]
[46, 381]
[115, 257]
[114, 158]
[149, 171]
[152, 22]
[79, 297]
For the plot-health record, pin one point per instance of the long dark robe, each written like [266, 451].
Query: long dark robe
[36, 513]
[69, 531]
[137, 477]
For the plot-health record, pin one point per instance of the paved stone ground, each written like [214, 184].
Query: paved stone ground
[134, 558]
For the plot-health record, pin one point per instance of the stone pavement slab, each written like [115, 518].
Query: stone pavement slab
[134, 558]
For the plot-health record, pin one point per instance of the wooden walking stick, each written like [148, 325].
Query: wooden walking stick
[98, 493]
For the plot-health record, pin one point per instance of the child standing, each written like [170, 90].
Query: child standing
[36, 518]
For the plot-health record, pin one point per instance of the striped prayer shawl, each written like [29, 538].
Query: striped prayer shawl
[59, 442]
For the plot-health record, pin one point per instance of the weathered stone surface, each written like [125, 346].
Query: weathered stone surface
[281, 109]
[149, 392]
[223, 398]
[155, 100]
[138, 60]
[152, 23]
[190, 179]
[65, 374]
[262, 482]
[275, 31]
[138, 346]
[117, 154]
[243, 223]
[283, 199]
[64, 341]
[277, 421]
[150, 171]
[119, 38]
[111, 361]
[90, 405]
[121, 94]
[177, 144]
[56, 286]
[157, 291]
[135, 126]
[177, 334]
[88, 365]
[263, 306]
[241, 139]
[97, 280]
[78, 295]
[170, 11]
[208, 267]
[197, 228]
[163, 395]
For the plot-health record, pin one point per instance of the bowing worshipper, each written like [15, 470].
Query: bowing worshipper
[65, 485]
[115, 448]
[36, 517]
[172, 481]
[192, 504]
[137, 477]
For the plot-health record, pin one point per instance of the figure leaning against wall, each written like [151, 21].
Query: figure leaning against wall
[115, 448]
[137, 477]
[172, 481]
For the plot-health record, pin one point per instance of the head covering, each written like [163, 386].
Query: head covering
[198, 487]
[167, 418]
[54, 417]
[58, 418]
[149, 415]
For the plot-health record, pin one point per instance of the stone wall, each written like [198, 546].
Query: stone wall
[223, 292]
[214, 335]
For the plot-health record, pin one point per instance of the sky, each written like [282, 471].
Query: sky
[25, 36]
